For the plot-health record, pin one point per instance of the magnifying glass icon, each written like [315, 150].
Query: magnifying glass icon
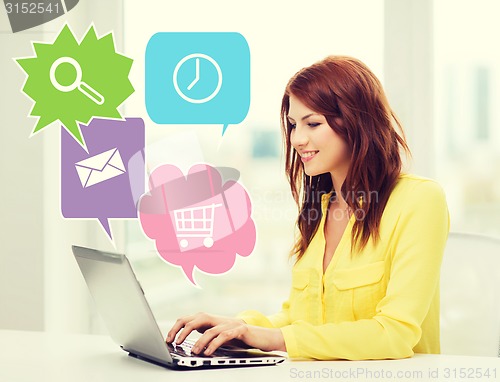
[83, 87]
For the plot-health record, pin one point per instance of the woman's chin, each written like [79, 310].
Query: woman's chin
[311, 172]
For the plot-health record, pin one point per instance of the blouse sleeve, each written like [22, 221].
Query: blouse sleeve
[278, 320]
[418, 245]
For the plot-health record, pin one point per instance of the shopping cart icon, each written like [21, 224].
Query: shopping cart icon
[195, 222]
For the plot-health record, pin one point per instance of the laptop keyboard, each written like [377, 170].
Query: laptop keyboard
[184, 350]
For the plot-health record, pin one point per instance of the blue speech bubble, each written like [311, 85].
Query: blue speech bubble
[198, 78]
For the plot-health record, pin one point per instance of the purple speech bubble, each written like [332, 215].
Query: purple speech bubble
[197, 221]
[106, 181]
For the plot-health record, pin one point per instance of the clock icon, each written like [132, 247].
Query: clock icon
[197, 78]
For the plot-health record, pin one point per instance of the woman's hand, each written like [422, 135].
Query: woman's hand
[218, 330]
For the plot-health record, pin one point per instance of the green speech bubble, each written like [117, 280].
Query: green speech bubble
[73, 82]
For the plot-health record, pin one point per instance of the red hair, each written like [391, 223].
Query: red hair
[344, 89]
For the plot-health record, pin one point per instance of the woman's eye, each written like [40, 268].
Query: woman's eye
[313, 124]
[293, 125]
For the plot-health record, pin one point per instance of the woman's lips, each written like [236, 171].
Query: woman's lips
[306, 157]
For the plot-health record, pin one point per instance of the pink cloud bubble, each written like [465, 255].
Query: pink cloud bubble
[197, 220]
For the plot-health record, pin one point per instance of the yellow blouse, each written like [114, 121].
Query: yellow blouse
[380, 303]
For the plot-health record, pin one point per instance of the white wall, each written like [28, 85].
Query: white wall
[40, 285]
[21, 194]
[408, 68]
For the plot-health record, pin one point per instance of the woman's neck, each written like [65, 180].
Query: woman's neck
[338, 180]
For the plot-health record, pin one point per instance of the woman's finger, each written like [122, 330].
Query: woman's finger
[221, 339]
[200, 321]
[202, 342]
[218, 336]
[179, 324]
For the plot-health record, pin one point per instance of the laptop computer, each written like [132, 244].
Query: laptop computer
[121, 302]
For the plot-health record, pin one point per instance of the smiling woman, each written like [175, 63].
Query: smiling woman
[371, 238]
[313, 138]
[360, 147]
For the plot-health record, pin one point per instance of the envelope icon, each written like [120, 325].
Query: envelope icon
[100, 167]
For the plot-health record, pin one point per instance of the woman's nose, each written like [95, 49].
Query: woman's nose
[298, 137]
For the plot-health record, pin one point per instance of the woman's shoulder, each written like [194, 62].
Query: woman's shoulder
[409, 183]
[413, 189]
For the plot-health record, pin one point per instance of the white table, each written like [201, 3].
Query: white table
[40, 357]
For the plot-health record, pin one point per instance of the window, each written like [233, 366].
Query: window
[466, 81]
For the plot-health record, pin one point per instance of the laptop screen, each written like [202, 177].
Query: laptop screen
[121, 303]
